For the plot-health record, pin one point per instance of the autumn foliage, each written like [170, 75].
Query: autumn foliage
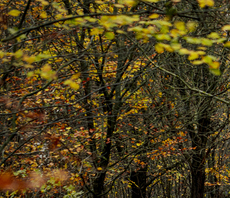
[124, 98]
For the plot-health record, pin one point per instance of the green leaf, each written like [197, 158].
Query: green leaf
[161, 23]
[209, 59]
[176, 46]
[13, 30]
[163, 37]
[215, 72]
[193, 40]
[109, 35]
[30, 74]
[206, 42]
[214, 35]
[39, 57]
[220, 40]
[136, 29]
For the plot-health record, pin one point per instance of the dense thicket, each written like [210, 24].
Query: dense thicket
[114, 98]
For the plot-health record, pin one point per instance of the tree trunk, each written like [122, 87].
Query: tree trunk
[138, 179]
[98, 186]
[199, 141]
[198, 176]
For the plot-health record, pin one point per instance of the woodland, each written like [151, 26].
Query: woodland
[114, 98]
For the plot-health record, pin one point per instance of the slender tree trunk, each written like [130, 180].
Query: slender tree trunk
[98, 186]
[198, 176]
[199, 141]
[138, 179]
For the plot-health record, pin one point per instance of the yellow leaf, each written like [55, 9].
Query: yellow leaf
[227, 44]
[14, 12]
[43, 15]
[96, 31]
[118, 5]
[163, 37]
[29, 59]
[226, 27]
[152, 1]
[197, 62]
[74, 85]
[18, 54]
[159, 48]
[193, 55]
[120, 32]
[213, 35]
[28, 66]
[191, 26]
[215, 71]
[130, 2]
[184, 51]
[204, 3]
[180, 25]
[46, 68]
[43, 2]
[208, 59]
[201, 48]
[201, 52]
[2, 54]
[76, 76]
[47, 73]
[99, 2]
[58, 16]
[67, 82]
[168, 48]
[210, 3]
[99, 168]
[92, 20]
[58, 60]
[215, 65]
[154, 16]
